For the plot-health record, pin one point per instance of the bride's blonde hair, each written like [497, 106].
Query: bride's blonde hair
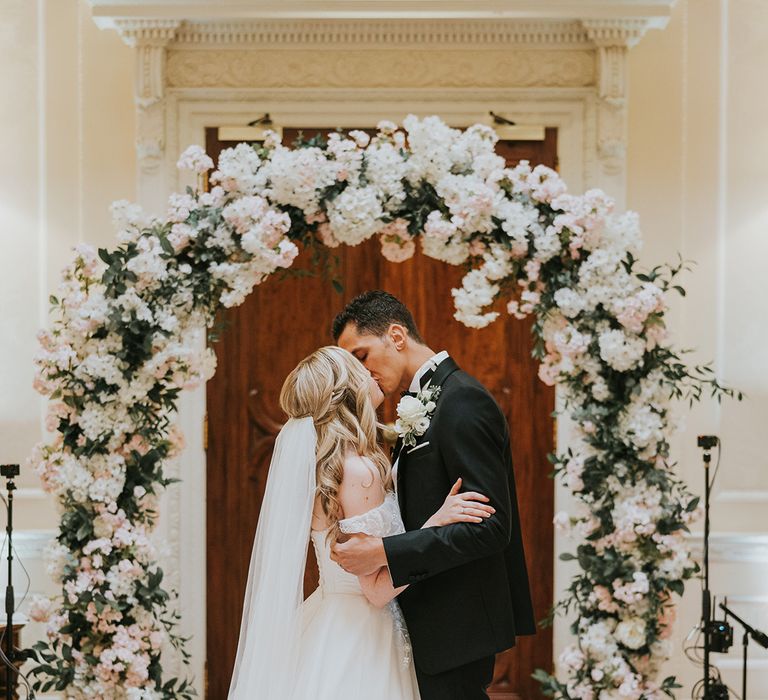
[333, 387]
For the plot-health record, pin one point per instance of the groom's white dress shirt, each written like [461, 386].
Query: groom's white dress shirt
[415, 387]
[431, 363]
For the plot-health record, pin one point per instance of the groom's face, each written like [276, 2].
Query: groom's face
[378, 353]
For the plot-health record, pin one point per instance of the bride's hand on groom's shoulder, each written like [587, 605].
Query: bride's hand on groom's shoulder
[360, 555]
[469, 507]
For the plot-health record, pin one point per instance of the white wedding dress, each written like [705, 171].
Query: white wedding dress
[350, 649]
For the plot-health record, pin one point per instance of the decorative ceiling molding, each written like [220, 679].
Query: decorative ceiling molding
[473, 34]
[395, 34]
[656, 12]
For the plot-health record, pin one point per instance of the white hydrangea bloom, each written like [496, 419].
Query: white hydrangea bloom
[621, 351]
[355, 215]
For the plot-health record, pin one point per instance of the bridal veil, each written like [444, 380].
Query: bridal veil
[268, 650]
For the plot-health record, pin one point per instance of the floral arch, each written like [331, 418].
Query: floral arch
[124, 341]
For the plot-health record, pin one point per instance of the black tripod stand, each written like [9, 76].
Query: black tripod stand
[12, 655]
[715, 633]
[760, 637]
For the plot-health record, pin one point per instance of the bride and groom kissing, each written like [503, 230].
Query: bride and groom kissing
[422, 571]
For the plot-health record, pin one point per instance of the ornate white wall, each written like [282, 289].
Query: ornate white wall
[698, 175]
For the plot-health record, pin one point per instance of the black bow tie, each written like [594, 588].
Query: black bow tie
[424, 378]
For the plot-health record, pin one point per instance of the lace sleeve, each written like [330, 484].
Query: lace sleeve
[381, 521]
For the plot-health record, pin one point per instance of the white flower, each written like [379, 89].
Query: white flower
[442, 240]
[195, 158]
[562, 522]
[475, 294]
[469, 200]
[598, 641]
[631, 632]
[413, 414]
[355, 215]
[58, 557]
[571, 658]
[546, 243]
[621, 351]
[239, 170]
[40, 608]
[385, 170]
[569, 302]
[430, 142]
[632, 591]
[297, 177]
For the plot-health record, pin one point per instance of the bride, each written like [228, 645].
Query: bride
[328, 478]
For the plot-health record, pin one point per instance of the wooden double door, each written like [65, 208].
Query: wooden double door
[284, 320]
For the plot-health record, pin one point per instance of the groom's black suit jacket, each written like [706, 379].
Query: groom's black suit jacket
[468, 596]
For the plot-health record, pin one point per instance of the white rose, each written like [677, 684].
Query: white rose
[572, 658]
[410, 409]
[40, 608]
[631, 632]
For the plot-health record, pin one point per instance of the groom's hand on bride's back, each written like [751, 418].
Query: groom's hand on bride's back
[360, 555]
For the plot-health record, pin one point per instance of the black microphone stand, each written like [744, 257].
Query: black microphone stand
[707, 442]
[10, 471]
[760, 637]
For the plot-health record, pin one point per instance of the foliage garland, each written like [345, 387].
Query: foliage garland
[128, 333]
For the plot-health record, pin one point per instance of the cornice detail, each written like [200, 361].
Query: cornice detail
[135, 32]
[615, 32]
[383, 33]
[334, 34]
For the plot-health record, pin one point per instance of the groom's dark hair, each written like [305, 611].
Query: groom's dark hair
[374, 312]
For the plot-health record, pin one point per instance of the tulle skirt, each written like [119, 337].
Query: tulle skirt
[352, 650]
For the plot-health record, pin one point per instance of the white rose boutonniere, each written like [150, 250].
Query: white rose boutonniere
[413, 414]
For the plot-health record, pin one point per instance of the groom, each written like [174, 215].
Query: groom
[468, 594]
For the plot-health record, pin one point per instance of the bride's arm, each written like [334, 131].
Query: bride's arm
[361, 490]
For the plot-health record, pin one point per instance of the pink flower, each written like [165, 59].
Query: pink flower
[604, 599]
[549, 370]
[545, 184]
[180, 236]
[397, 244]
[176, 438]
[514, 309]
[666, 620]
[137, 443]
[477, 247]
[396, 252]
[326, 236]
